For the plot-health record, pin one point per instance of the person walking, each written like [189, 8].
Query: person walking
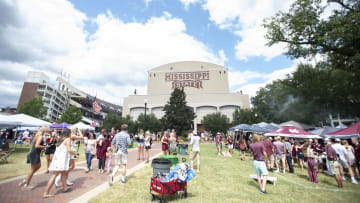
[356, 144]
[140, 140]
[109, 155]
[101, 147]
[218, 141]
[311, 163]
[343, 160]
[288, 152]
[230, 144]
[258, 150]
[121, 142]
[49, 152]
[269, 149]
[280, 154]
[74, 138]
[147, 143]
[61, 161]
[351, 157]
[195, 151]
[334, 164]
[90, 150]
[164, 143]
[33, 158]
[172, 144]
[242, 146]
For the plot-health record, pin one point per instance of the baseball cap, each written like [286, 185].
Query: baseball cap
[337, 140]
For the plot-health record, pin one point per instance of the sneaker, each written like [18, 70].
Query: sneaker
[263, 192]
[57, 181]
[69, 183]
[123, 180]
[283, 171]
[277, 171]
[353, 181]
[28, 187]
[22, 183]
[344, 179]
[197, 171]
[111, 179]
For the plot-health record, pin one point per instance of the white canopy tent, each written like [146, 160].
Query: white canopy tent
[83, 126]
[21, 120]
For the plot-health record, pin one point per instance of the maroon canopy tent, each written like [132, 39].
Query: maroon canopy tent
[293, 132]
[352, 131]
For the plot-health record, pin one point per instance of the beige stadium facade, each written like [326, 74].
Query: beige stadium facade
[206, 86]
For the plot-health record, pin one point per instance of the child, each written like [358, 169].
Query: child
[109, 154]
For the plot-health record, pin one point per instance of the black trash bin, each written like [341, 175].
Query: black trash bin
[183, 148]
[161, 166]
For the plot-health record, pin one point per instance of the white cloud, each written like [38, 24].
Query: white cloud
[239, 78]
[245, 18]
[187, 3]
[112, 62]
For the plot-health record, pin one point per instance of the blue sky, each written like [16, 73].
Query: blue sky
[108, 45]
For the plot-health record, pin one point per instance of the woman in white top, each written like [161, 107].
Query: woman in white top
[350, 153]
[140, 140]
[147, 145]
[60, 162]
[90, 150]
[73, 140]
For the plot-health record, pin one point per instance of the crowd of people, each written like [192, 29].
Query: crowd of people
[278, 154]
[61, 149]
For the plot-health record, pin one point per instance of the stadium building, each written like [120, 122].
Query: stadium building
[61, 94]
[206, 86]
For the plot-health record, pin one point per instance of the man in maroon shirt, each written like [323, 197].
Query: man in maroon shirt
[334, 164]
[269, 149]
[356, 143]
[258, 150]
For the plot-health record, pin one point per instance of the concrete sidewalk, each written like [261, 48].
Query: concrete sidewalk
[83, 182]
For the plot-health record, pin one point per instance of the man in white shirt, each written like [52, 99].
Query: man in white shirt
[343, 157]
[195, 152]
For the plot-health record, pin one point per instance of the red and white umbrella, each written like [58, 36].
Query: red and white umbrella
[293, 132]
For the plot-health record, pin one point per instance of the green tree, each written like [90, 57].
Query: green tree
[336, 38]
[152, 123]
[246, 116]
[72, 115]
[216, 122]
[128, 120]
[178, 115]
[34, 107]
[112, 120]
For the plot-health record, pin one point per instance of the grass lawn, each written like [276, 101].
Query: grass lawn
[224, 179]
[17, 165]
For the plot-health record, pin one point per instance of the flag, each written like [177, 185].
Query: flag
[93, 124]
[96, 106]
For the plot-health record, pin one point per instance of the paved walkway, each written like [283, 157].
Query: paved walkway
[83, 182]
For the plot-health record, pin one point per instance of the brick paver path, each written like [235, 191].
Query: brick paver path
[83, 182]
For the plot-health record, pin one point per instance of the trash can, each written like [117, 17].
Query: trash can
[161, 166]
[183, 148]
[174, 159]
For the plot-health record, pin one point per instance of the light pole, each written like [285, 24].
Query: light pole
[145, 102]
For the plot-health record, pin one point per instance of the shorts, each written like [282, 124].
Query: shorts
[335, 167]
[121, 158]
[319, 159]
[141, 144]
[147, 147]
[344, 164]
[260, 168]
[230, 146]
[271, 159]
[280, 157]
[219, 146]
[194, 155]
[300, 155]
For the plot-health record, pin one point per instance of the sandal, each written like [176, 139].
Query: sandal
[48, 195]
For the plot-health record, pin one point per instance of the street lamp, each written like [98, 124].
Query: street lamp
[145, 102]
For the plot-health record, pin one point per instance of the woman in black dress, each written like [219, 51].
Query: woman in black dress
[49, 152]
[33, 157]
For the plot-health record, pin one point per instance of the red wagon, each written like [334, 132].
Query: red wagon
[159, 190]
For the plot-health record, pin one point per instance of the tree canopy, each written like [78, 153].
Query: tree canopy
[247, 116]
[152, 123]
[216, 122]
[113, 120]
[72, 115]
[178, 115]
[329, 86]
[34, 107]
